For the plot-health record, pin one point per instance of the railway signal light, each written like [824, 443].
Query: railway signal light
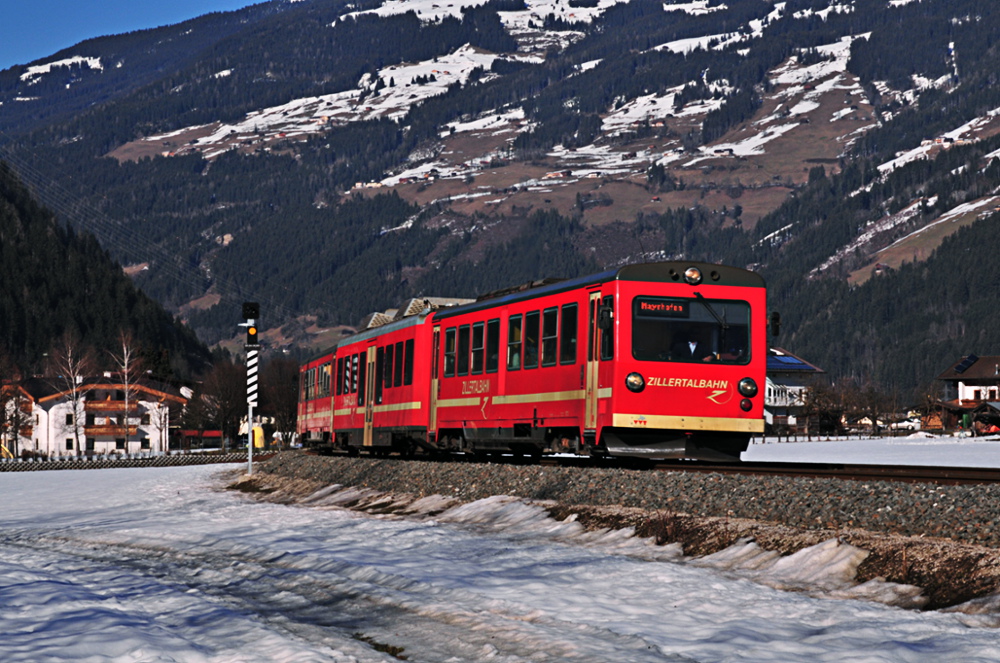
[251, 311]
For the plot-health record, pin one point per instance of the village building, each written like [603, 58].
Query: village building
[105, 416]
[785, 396]
[971, 394]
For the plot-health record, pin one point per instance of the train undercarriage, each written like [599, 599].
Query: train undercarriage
[535, 442]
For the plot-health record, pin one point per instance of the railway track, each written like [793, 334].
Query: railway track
[908, 473]
[853, 472]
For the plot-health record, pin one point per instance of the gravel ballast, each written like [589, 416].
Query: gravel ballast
[943, 539]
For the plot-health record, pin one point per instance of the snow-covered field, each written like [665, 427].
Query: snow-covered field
[919, 448]
[160, 565]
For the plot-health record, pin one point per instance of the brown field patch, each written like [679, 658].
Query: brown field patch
[169, 146]
[918, 246]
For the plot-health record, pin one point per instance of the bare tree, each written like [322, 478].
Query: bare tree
[866, 402]
[197, 415]
[280, 395]
[166, 410]
[70, 365]
[127, 362]
[224, 396]
[821, 405]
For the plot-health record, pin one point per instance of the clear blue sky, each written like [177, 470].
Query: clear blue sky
[33, 29]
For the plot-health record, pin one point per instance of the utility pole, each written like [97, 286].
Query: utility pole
[251, 312]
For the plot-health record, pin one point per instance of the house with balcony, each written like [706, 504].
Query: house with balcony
[971, 393]
[785, 396]
[105, 416]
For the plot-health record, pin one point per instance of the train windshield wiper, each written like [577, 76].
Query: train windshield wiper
[723, 325]
[718, 318]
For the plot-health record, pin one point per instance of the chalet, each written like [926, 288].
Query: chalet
[971, 391]
[107, 416]
[788, 381]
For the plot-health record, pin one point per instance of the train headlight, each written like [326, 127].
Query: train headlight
[692, 275]
[748, 387]
[746, 404]
[635, 382]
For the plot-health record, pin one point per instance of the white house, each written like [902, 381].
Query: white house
[973, 380]
[788, 381]
[107, 417]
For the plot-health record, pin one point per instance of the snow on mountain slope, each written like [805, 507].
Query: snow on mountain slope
[313, 115]
[34, 73]
[536, 10]
[816, 110]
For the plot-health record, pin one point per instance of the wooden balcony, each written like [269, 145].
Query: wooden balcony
[111, 430]
[109, 406]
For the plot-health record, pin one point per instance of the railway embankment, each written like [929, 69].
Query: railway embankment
[944, 539]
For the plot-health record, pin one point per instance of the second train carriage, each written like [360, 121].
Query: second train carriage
[655, 360]
[314, 418]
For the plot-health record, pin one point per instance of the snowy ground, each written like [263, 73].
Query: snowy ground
[160, 565]
[919, 448]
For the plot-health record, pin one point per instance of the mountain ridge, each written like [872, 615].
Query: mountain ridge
[803, 139]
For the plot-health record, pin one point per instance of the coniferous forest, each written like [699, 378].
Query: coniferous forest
[303, 244]
[58, 283]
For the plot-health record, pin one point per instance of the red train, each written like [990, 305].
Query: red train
[660, 360]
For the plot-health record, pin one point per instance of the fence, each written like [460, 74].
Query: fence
[124, 460]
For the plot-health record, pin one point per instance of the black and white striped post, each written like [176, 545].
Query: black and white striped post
[251, 311]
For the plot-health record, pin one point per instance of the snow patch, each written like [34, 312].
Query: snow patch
[33, 73]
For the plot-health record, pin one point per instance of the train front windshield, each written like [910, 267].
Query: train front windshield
[696, 330]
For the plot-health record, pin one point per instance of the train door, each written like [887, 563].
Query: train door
[369, 388]
[592, 363]
[435, 351]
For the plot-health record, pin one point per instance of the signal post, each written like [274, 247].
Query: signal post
[251, 312]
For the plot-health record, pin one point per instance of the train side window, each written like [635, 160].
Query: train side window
[550, 336]
[324, 380]
[340, 376]
[408, 370]
[608, 336]
[355, 362]
[514, 343]
[478, 329]
[397, 375]
[362, 374]
[449, 352]
[379, 372]
[567, 335]
[493, 345]
[390, 355]
[463, 350]
[531, 320]
[302, 386]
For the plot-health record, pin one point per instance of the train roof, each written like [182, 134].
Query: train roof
[416, 311]
[659, 272]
